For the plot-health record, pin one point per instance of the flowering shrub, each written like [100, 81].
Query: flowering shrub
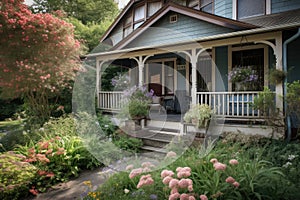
[15, 175]
[47, 55]
[120, 82]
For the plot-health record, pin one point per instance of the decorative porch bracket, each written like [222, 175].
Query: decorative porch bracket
[141, 64]
[99, 65]
[193, 56]
[277, 49]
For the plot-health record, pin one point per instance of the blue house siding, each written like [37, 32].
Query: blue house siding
[293, 61]
[284, 5]
[221, 68]
[186, 28]
[223, 8]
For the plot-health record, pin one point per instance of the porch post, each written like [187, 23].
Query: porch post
[141, 66]
[279, 88]
[98, 79]
[194, 76]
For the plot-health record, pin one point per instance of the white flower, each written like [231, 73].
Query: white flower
[287, 164]
[126, 191]
[105, 125]
[291, 157]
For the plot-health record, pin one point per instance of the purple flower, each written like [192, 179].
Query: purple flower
[153, 197]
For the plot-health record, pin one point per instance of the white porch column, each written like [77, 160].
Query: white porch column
[194, 59]
[99, 65]
[141, 66]
[279, 87]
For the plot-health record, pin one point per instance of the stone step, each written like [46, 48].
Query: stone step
[154, 149]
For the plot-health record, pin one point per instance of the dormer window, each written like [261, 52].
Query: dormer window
[203, 5]
[152, 7]
[250, 8]
[139, 16]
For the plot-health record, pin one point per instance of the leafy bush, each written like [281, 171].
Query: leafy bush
[127, 143]
[199, 115]
[59, 155]
[15, 175]
[106, 124]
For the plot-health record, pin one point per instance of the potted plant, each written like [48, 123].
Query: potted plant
[199, 115]
[276, 76]
[244, 78]
[136, 106]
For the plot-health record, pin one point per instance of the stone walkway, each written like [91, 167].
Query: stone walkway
[76, 189]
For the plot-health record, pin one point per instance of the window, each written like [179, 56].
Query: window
[139, 16]
[173, 18]
[127, 26]
[250, 8]
[203, 5]
[206, 6]
[153, 7]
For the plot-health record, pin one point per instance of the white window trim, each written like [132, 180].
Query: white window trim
[234, 8]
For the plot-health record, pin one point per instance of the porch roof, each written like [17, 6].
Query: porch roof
[188, 44]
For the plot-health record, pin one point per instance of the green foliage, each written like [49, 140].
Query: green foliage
[293, 98]
[126, 143]
[276, 76]
[59, 155]
[90, 33]
[138, 108]
[15, 175]
[83, 10]
[106, 124]
[265, 102]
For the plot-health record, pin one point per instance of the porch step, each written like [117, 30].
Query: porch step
[154, 149]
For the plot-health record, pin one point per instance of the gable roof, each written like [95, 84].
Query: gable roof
[207, 17]
[210, 18]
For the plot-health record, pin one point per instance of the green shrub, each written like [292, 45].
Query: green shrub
[106, 124]
[127, 143]
[15, 176]
[59, 155]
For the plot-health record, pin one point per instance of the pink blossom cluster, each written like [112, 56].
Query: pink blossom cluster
[171, 154]
[222, 167]
[232, 181]
[181, 184]
[218, 165]
[146, 167]
[145, 180]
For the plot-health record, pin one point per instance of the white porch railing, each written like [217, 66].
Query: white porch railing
[110, 101]
[231, 104]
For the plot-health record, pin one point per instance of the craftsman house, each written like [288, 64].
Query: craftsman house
[189, 50]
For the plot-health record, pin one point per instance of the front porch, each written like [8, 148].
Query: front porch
[199, 71]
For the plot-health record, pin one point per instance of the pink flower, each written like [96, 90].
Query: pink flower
[213, 160]
[166, 173]
[183, 183]
[145, 180]
[190, 188]
[171, 154]
[192, 198]
[135, 172]
[174, 190]
[230, 180]
[184, 196]
[219, 166]
[203, 197]
[167, 180]
[174, 196]
[147, 164]
[173, 183]
[183, 172]
[236, 184]
[233, 162]
[129, 167]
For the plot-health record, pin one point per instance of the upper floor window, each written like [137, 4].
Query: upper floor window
[152, 7]
[139, 16]
[250, 8]
[203, 5]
